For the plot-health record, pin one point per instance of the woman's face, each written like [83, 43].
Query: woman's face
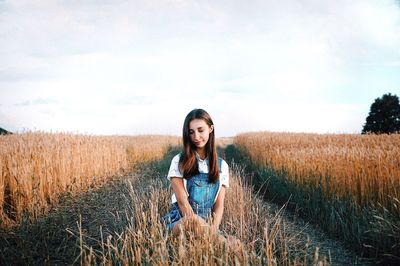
[199, 133]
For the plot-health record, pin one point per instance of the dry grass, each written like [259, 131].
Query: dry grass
[349, 184]
[120, 224]
[364, 167]
[145, 240]
[36, 168]
[224, 141]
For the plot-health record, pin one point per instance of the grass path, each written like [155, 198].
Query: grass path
[49, 240]
[105, 212]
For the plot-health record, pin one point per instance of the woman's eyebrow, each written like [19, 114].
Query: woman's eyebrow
[197, 128]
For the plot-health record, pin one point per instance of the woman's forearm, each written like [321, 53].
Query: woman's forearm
[185, 207]
[217, 216]
[181, 196]
[218, 208]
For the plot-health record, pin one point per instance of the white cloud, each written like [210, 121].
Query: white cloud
[140, 66]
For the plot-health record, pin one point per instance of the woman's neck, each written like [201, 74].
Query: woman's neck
[202, 153]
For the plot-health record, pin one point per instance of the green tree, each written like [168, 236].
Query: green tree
[384, 116]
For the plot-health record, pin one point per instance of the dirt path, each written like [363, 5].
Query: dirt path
[51, 240]
[303, 232]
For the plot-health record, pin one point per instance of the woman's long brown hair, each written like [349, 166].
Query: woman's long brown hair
[188, 162]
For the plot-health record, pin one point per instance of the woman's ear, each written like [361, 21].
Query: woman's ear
[211, 128]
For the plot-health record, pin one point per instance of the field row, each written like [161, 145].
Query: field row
[363, 167]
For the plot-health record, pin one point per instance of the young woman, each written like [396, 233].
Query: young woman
[199, 179]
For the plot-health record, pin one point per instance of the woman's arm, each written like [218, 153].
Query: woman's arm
[218, 208]
[181, 196]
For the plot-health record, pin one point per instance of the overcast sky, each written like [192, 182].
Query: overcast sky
[138, 67]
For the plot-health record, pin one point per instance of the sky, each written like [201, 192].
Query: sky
[139, 67]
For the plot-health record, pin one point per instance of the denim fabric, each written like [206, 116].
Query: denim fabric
[172, 217]
[202, 195]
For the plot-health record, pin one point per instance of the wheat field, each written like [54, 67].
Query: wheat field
[349, 184]
[364, 167]
[36, 168]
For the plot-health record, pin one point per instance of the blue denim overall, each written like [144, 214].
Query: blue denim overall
[201, 198]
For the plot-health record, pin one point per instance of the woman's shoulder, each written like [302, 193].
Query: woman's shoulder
[222, 160]
[176, 157]
[224, 164]
[174, 170]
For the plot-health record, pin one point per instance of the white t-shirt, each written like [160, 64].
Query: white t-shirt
[203, 168]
